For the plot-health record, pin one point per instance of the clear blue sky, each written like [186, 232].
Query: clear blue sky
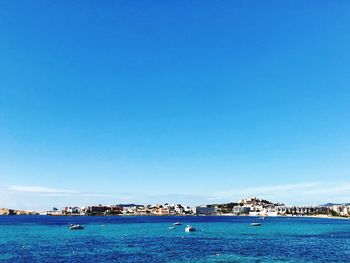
[174, 101]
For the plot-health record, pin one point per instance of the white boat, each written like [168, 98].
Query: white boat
[261, 218]
[255, 224]
[189, 228]
[76, 227]
[171, 227]
[177, 224]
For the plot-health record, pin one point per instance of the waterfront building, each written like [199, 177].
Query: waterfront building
[116, 209]
[179, 209]
[71, 210]
[162, 210]
[205, 210]
[97, 209]
[241, 209]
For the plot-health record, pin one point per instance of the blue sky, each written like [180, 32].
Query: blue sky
[173, 101]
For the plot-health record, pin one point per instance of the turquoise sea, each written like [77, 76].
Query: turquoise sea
[149, 239]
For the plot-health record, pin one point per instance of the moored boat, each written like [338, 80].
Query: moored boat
[76, 227]
[190, 228]
[255, 224]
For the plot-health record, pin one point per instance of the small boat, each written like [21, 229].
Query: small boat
[255, 224]
[76, 227]
[171, 227]
[261, 218]
[190, 228]
[177, 224]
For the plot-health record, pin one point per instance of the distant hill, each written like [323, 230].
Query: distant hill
[331, 204]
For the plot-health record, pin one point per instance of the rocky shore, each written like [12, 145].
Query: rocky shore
[8, 212]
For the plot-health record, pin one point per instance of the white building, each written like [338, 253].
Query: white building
[241, 209]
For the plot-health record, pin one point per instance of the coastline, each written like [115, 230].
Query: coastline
[193, 215]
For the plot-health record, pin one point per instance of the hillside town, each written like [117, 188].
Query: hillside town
[251, 206]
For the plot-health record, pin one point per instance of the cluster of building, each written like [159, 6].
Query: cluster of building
[259, 207]
[249, 206]
[340, 210]
[129, 209]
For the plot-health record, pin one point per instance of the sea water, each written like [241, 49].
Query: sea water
[149, 239]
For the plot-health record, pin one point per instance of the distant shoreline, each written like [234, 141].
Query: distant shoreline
[218, 215]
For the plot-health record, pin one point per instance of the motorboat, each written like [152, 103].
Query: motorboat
[190, 228]
[76, 227]
[255, 224]
[177, 224]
